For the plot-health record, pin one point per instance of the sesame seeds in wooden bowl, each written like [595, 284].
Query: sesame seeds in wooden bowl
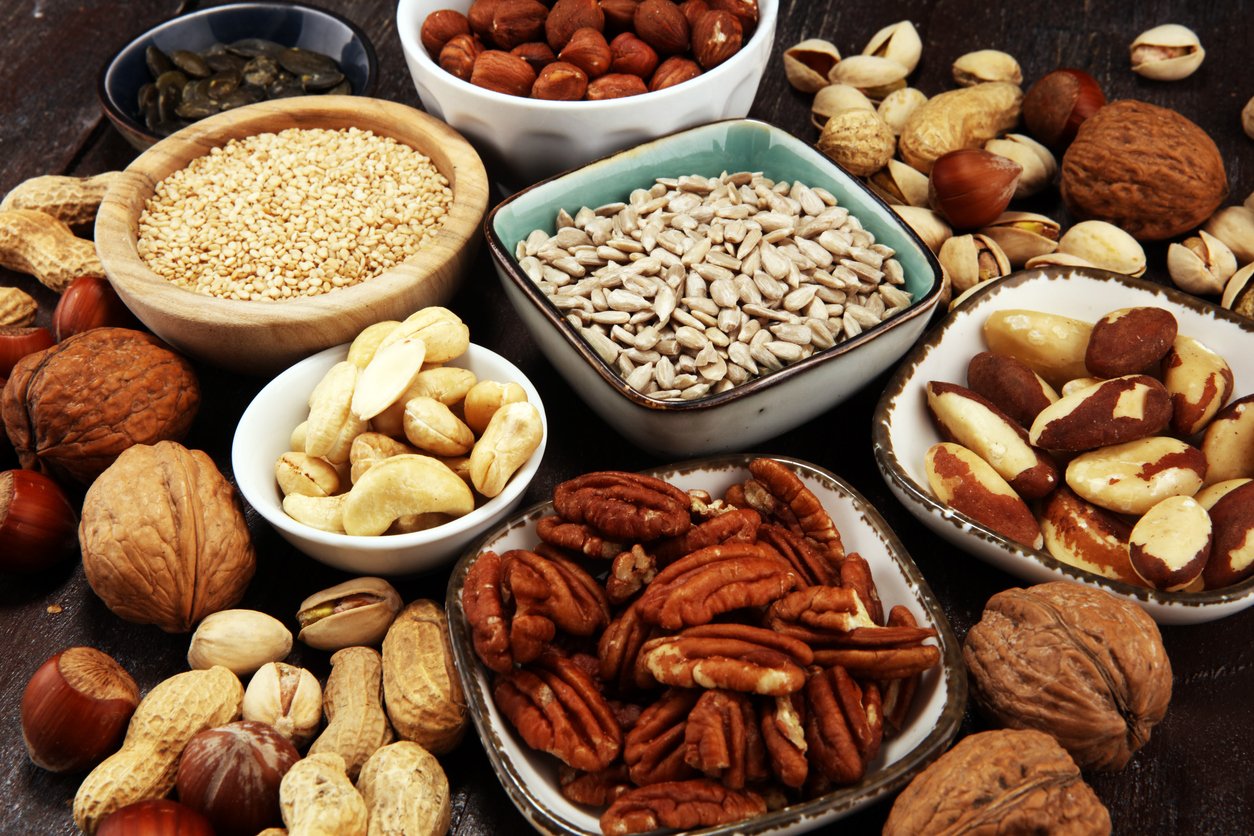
[258, 236]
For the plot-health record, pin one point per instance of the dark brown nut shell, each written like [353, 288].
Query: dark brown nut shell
[1102, 415]
[71, 409]
[1000, 782]
[164, 539]
[1010, 384]
[1144, 168]
[1129, 341]
[1075, 662]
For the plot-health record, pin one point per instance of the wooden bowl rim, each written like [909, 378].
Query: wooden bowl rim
[118, 217]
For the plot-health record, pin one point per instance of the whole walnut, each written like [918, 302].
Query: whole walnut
[1144, 168]
[71, 409]
[1075, 662]
[1000, 782]
[163, 537]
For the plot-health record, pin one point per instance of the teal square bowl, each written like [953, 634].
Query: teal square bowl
[762, 407]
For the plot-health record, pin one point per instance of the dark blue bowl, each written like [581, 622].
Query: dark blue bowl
[289, 24]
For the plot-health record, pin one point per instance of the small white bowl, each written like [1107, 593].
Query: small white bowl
[263, 435]
[902, 430]
[530, 778]
[525, 140]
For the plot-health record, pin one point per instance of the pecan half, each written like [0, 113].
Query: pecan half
[796, 505]
[684, 805]
[813, 565]
[881, 662]
[654, 748]
[844, 725]
[818, 614]
[481, 601]
[784, 736]
[723, 741]
[549, 594]
[739, 525]
[576, 537]
[737, 657]
[624, 506]
[557, 708]
[855, 572]
[619, 652]
[593, 788]
[629, 573]
[715, 580]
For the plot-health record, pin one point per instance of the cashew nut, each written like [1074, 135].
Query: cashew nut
[447, 384]
[331, 427]
[305, 474]
[325, 513]
[370, 448]
[367, 342]
[386, 377]
[513, 434]
[432, 426]
[402, 485]
[485, 398]
[445, 335]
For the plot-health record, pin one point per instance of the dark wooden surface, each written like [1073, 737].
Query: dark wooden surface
[1194, 776]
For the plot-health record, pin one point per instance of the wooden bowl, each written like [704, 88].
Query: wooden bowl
[263, 337]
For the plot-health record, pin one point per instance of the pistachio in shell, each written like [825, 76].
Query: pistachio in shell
[356, 612]
[808, 63]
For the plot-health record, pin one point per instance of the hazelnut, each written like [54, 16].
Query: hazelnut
[716, 37]
[568, 16]
[20, 340]
[1058, 103]
[480, 15]
[746, 10]
[661, 25]
[516, 22]
[90, 302]
[587, 50]
[38, 524]
[536, 53]
[459, 54]
[616, 86]
[503, 73]
[672, 71]
[231, 775]
[971, 186]
[693, 9]
[439, 27]
[560, 81]
[629, 54]
[158, 815]
[619, 13]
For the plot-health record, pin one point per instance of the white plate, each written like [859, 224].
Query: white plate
[902, 430]
[530, 778]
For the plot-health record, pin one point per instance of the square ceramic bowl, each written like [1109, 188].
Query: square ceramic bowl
[524, 140]
[763, 407]
[530, 778]
[263, 435]
[902, 430]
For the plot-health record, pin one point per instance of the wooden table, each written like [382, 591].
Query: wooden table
[1195, 774]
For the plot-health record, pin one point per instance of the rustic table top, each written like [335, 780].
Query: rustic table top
[1192, 777]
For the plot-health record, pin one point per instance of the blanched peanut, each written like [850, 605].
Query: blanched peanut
[485, 398]
[513, 434]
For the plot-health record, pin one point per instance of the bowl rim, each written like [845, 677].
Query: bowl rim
[890, 778]
[117, 114]
[509, 266]
[897, 476]
[495, 506]
[412, 46]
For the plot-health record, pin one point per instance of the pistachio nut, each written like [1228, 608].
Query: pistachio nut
[898, 105]
[1239, 292]
[986, 65]
[305, 474]
[356, 612]
[858, 140]
[1105, 246]
[239, 640]
[1057, 259]
[927, 224]
[1234, 225]
[873, 75]
[1201, 264]
[899, 183]
[807, 64]
[836, 98]
[1247, 125]
[1166, 53]
[898, 42]
[1038, 162]
[971, 259]
[1023, 235]
[286, 697]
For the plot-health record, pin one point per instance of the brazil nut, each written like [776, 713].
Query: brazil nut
[1129, 341]
[1110, 412]
[1229, 442]
[1200, 382]
[1016, 390]
[1133, 477]
[1170, 544]
[968, 484]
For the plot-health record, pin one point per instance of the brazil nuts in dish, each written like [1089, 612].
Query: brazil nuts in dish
[695, 284]
[295, 213]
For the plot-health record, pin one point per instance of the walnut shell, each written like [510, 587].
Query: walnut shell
[72, 408]
[1000, 782]
[163, 537]
[1075, 662]
[1144, 168]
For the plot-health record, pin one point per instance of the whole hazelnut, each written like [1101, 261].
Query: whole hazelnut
[231, 775]
[90, 302]
[560, 81]
[38, 523]
[439, 27]
[587, 50]
[615, 86]
[503, 73]
[672, 71]
[480, 15]
[693, 9]
[17, 341]
[716, 37]
[459, 54]
[1058, 103]
[629, 54]
[746, 10]
[75, 709]
[971, 186]
[619, 13]
[568, 16]
[155, 817]
[536, 53]
[661, 25]
[516, 22]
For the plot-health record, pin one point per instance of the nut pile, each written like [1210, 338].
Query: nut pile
[698, 284]
[383, 451]
[295, 213]
[1134, 394]
[586, 49]
[734, 652]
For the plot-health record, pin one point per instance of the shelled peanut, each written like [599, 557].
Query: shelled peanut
[1141, 468]
[397, 441]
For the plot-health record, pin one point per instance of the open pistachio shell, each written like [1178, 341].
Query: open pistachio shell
[1201, 264]
[808, 63]
[971, 259]
[1104, 245]
[1023, 235]
[1239, 292]
[835, 98]
[1234, 225]
[986, 65]
[1057, 259]
[898, 42]
[1166, 53]
[356, 612]
[873, 75]
[1038, 162]
[898, 183]
[927, 224]
[898, 105]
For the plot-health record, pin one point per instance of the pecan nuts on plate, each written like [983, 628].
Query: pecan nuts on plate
[693, 661]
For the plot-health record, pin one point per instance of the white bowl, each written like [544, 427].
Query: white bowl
[525, 140]
[263, 435]
[530, 778]
[902, 431]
